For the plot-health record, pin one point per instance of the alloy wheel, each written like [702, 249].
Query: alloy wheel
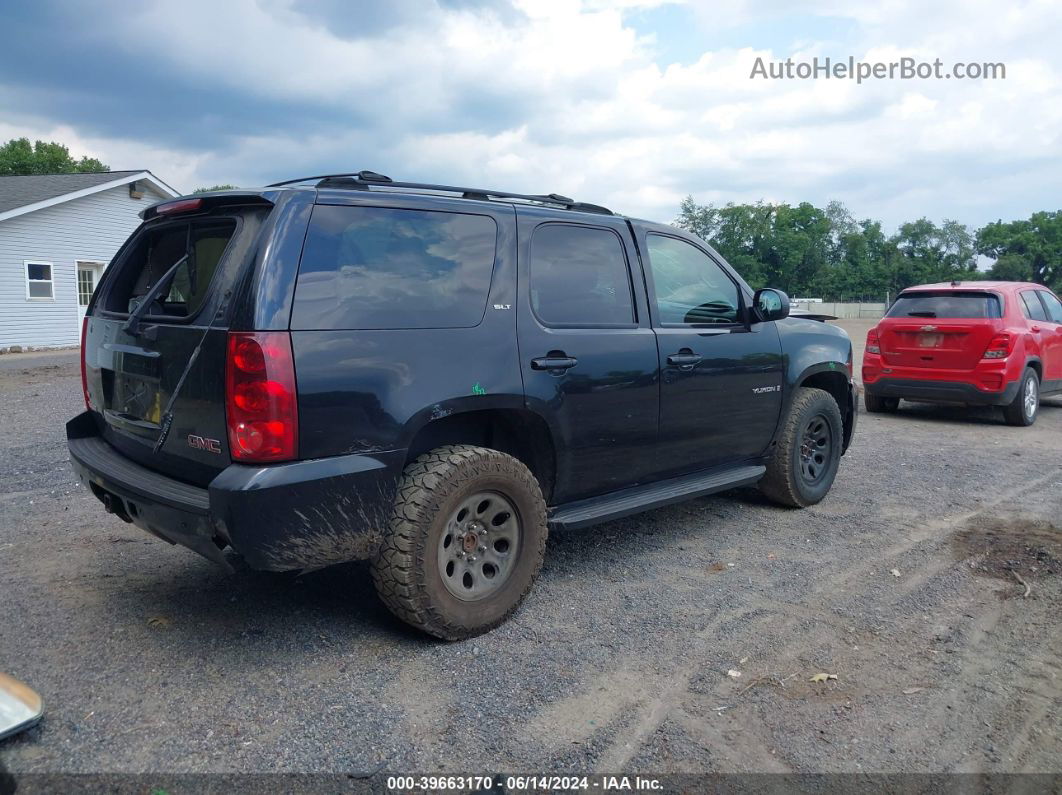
[1031, 397]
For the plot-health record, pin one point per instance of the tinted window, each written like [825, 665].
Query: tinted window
[690, 286]
[579, 277]
[1033, 308]
[1054, 306]
[946, 305]
[377, 268]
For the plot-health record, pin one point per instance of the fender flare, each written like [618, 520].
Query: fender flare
[848, 407]
[466, 404]
[1029, 360]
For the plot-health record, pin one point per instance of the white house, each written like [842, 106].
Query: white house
[57, 234]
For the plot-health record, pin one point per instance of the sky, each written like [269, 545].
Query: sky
[633, 104]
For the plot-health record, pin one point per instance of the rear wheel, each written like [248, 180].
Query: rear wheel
[465, 544]
[1023, 409]
[878, 405]
[805, 460]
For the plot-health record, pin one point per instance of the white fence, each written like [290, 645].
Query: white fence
[843, 310]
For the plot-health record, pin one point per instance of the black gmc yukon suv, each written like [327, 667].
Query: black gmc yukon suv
[430, 377]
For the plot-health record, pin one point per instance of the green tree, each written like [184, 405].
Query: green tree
[807, 250]
[928, 253]
[1011, 268]
[701, 220]
[19, 156]
[215, 187]
[778, 245]
[1037, 240]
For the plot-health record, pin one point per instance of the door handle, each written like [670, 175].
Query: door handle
[1037, 329]
[555, 361]
[685, 359]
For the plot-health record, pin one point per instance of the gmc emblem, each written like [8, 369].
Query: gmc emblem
[200, 443]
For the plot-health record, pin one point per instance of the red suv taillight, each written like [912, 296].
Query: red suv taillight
[873, 345]
[261, 403]
[1000, 347]
[84, 372]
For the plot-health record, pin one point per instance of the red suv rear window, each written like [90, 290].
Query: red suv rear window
[949, 304]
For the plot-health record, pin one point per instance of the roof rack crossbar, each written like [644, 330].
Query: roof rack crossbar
[364, 179]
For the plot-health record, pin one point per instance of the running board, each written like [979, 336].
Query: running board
[616, 505]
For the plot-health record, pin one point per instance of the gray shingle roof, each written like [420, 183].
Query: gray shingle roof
[19, 191]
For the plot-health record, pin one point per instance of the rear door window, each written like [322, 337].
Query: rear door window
[579, 277]
[1034, 310]
[385, 268]
[946, 305]
[1054, 306]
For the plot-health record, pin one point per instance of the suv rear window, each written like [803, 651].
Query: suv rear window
[156, 251]
[380, 268]
[946, 305]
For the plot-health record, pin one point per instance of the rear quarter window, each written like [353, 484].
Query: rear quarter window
[1053, 306]
[384, 268]
[946, 305]
[1033, 310]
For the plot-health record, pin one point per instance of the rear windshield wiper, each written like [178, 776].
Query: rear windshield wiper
[132, 325]
[925, 313]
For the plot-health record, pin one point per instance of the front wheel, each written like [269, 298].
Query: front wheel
[1023, 409]
[465, 543]
[805, 460]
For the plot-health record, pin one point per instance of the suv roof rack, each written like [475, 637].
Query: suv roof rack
[364, 180]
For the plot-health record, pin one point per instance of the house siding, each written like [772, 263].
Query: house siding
[90, 228]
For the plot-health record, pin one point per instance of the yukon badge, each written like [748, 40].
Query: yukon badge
[199, 443]
[759, 390]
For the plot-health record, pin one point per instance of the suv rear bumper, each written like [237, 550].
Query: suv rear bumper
[941, 391]
[300, 515]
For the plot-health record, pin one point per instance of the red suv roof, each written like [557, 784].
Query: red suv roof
[985, 285]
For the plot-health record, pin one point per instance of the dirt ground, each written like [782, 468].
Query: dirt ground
[681, 640]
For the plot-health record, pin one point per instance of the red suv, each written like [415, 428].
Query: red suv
[978, 343]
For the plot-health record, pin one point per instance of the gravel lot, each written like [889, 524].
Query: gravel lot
[900, 583]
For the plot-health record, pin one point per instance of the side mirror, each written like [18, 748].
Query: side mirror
[770, 304]
[20, 707]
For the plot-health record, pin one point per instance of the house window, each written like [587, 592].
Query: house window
[39, 285]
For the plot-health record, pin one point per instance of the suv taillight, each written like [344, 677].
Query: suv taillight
[873, 346]
[999, 348]
[84, 372]
[261, 402]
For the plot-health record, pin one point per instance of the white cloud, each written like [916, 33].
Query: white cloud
[571, 98]
[178, 169]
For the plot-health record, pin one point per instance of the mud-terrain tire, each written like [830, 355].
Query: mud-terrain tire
[879, 405]
[804, 463]
[1023, 409]
[456, 504]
